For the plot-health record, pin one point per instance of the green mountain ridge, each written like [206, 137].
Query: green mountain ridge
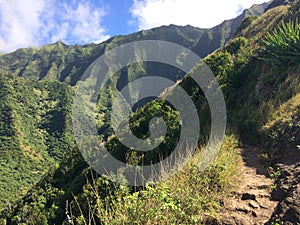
[218, 36]
[67, 63]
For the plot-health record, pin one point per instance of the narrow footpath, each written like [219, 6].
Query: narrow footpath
[251, 204]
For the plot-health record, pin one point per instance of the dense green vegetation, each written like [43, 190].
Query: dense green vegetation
[140, 128]
[35, 128]
[99, 199]
[35, 132]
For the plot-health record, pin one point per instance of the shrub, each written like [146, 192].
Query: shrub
[282, 46]
[235, 45]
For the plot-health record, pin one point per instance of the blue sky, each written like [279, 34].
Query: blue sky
[32, 23]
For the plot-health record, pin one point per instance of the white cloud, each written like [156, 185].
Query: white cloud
[17, 21]
[200, 13]
[35, 22]
[82, 22]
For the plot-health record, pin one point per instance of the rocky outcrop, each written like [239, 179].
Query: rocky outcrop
[288, 193]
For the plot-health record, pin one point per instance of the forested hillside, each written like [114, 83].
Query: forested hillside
[258, 71]
[35, 132]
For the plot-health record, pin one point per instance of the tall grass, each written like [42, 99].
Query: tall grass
[191, 196]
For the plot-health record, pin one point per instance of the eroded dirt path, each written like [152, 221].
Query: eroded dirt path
[251, 203]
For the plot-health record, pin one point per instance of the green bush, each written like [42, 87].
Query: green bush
[235, 45]
[229, 65]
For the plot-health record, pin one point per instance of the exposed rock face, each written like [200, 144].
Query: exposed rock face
[288, 183]
[288, 193]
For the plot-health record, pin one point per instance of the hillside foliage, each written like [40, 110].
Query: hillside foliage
[42, 168]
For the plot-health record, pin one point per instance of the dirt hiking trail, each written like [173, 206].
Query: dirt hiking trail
[251, 204]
